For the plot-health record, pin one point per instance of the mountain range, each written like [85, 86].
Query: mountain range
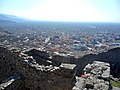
[5, 18]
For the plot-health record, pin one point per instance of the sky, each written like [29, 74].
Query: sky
[64, 10]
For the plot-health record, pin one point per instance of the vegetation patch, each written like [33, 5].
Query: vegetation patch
[115, 83]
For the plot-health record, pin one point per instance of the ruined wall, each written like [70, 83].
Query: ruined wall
[43, 75]
[64, 59]
[33, 75]
[46, 77]
[38, 79]
[42, 56]
[112, 56]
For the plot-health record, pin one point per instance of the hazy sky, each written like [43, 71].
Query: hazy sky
[64, 10]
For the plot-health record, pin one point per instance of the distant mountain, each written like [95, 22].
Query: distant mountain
[10, 18]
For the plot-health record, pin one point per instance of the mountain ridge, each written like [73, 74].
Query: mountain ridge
[10, 18]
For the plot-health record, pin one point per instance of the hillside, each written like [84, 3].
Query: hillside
[4, 18]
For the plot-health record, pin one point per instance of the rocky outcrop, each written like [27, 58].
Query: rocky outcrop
[35, 53]
[64, 59]
[44, 76]
[7, 64]
[40, 77]
[22, 72]
[96, 76]
[40, 71]
[43, 57]
[10, 78]
[112, 57]
[12, 83]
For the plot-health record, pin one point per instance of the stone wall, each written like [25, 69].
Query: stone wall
[44, 74]
[35, 76]
[38, 77]
[64, 59]
[112, 57]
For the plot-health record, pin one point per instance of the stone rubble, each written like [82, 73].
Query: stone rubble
[50, 68]
[68, 66]
[96, 76]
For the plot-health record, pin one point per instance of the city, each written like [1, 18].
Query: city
[59, 45]
[74, 41]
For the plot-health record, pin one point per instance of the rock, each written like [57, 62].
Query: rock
[116, 88]
[111, 57]
[68, 66]
[36, 76]
[96, 76]
[7, 64]
[106, 74]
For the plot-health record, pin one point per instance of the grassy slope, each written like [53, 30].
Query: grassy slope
[115, 83]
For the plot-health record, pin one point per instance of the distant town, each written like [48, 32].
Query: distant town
[39, 55]
[75, 39]
[59, 44]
